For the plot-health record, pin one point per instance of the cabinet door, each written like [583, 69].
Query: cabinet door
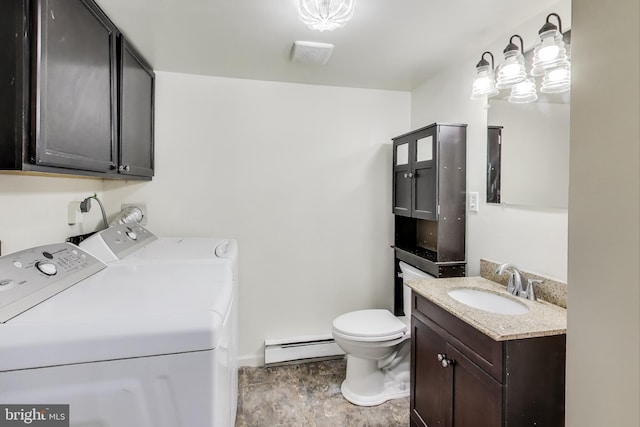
[424, 168]
[431, 384]
[402, 150]
[75, 108]
[477, 398]
[136, 96]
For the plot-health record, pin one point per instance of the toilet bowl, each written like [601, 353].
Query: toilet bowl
[378, 347]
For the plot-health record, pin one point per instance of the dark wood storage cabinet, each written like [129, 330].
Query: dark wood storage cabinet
[429, 171]
[59, 76]
[429, 201]
[463, 378]
[136, 106]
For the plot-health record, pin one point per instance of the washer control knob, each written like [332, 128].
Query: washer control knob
[132, 235]
[47, 268]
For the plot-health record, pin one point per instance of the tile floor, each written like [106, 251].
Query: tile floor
[308, 395]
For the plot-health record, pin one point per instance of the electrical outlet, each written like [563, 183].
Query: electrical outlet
[141, 206]
[473, 201]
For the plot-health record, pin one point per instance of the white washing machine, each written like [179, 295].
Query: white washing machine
[146, 344]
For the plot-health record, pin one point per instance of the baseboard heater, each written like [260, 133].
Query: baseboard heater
[300, 349]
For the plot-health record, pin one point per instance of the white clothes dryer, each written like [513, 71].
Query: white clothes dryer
[127, 345]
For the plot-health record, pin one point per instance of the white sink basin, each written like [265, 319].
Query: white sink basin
[487, 301]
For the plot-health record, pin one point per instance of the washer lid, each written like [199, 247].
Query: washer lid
[370, 324]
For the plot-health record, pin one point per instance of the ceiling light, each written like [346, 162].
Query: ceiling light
[325, 15]
[484, 83]
[549, 51]
[512, 70]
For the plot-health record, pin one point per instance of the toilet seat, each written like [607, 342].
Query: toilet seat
[370, 326]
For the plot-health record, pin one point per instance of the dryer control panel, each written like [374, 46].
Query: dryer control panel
[118, 241]
[31, 276]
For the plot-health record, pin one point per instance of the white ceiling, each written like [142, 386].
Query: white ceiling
[389, 44]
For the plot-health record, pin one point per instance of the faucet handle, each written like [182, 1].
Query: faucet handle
[529, 292]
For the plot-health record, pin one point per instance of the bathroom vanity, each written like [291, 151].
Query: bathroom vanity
[489, 369]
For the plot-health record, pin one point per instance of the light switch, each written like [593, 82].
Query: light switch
[473, 201]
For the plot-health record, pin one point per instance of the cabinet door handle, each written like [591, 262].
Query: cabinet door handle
[442, 358]
[410, 175]
[406, 175]
[124, 168]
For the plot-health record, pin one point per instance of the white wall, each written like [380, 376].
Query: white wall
[535, 239]
[603, 347]
[299, 174]
[33, 209]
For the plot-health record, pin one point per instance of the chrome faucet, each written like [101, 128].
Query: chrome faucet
[516, 277]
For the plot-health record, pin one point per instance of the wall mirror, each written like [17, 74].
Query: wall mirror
[528, 149]
[528, 164]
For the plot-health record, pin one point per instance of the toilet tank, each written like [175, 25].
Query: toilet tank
[410, 273]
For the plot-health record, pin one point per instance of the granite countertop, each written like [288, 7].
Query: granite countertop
[543, 318]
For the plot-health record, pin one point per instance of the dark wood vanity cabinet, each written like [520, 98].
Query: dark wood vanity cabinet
[463, 378]
[59, 78]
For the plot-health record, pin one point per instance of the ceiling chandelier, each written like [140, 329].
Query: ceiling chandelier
[325, 15]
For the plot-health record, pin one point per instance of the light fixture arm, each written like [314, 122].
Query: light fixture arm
[484, 62]
[550, 26]
[512, 46]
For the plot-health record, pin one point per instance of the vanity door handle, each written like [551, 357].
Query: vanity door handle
[442, 358]
[410, 175]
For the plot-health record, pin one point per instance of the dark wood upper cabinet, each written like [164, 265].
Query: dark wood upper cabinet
[74, 86]
[429, 164]
[136, 96]
[64, 90]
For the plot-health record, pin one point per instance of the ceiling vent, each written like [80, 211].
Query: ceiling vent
[311, 53]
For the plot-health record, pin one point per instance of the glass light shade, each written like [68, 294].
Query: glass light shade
[549, 52]
[524, 92]
[512, 70]
[484, 84]
[325, 15]
[556, 80]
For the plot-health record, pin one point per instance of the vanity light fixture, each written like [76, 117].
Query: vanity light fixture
[484, 83]
[512, 70]
[550, 61]
[325, 15]
[550, 51]
[524, 92]
[557, 80]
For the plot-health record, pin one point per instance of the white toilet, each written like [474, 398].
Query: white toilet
[378, 347]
